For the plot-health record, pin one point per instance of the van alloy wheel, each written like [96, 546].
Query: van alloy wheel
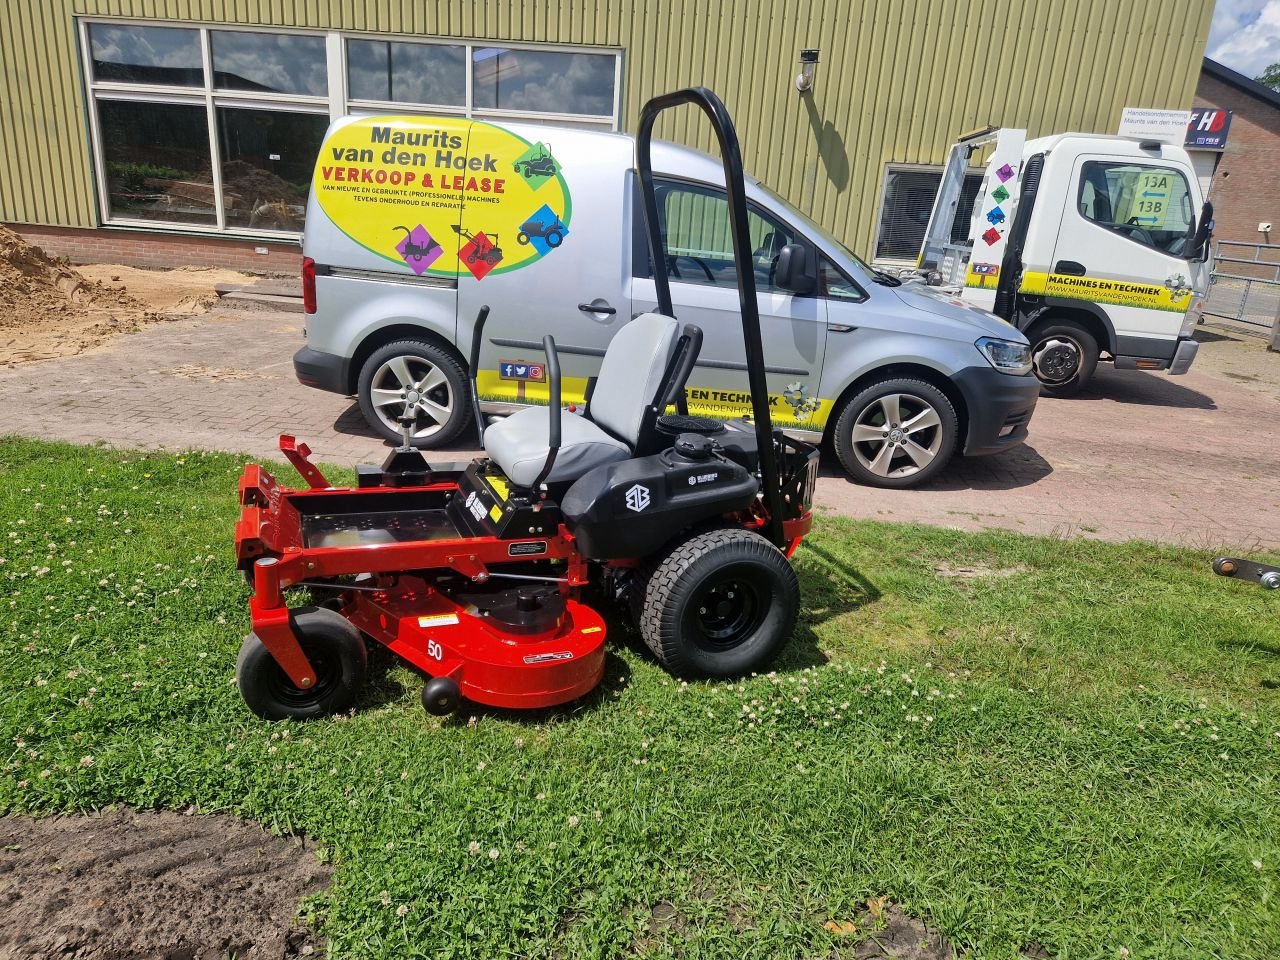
[412, 385]
[897, 435]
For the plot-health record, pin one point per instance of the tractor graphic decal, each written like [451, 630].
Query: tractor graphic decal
[544, 231]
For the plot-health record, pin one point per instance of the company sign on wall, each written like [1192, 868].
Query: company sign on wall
[1201, 128]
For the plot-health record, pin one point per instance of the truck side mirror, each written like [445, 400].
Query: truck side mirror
[1204, 233]
[796, 269]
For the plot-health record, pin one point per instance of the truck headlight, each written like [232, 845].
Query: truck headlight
[1006, 355]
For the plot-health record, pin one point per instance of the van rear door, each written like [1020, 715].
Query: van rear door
[547, 249]
[1126, 227]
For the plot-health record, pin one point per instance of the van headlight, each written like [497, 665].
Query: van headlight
[1006, 355]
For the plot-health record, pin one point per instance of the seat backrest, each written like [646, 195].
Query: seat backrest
[631, 374]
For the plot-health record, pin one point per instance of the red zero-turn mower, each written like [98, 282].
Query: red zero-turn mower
[475, 573]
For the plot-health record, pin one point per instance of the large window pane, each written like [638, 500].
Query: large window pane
[146, 54]
[269, 62]
[157, 161]
[543, 81]
[267, 159]
[1145, 203]
[407, 72]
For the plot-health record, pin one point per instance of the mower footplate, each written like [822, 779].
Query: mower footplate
[491, 665]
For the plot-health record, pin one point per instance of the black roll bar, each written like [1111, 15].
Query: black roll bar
[477, 336]
[553, 410]
[735, 186]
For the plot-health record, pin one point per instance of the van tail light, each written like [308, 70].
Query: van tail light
[308, 285]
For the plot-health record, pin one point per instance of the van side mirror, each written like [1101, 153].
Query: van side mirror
[1204, 233]
[796, 269]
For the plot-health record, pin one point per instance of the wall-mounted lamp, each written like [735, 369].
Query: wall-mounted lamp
[808, 67]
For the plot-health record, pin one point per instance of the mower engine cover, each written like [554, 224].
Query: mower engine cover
[632, 508]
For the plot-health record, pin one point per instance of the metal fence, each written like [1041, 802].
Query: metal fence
[1246, 284]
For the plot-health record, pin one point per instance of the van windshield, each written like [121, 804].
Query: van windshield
[815, 227]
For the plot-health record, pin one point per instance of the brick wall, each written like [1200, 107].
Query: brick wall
[145, 249]
[1246, 186]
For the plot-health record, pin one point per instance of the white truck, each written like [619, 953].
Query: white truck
[1096, 247]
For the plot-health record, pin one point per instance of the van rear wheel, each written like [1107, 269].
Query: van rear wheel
[413, 376]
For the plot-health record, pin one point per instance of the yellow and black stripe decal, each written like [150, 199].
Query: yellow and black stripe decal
[1145, 295]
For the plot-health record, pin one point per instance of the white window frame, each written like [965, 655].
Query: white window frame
[889, 168]
[335, 103]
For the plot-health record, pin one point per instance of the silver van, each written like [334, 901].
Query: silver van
[414, 223]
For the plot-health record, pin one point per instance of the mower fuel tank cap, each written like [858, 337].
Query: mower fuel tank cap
[694, 446]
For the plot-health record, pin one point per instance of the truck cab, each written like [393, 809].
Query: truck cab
[1094, 246]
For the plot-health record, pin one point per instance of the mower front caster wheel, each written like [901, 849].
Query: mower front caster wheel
[441, 696]
[719, 604]
[337, 654]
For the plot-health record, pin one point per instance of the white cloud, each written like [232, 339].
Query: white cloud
[1245, 35]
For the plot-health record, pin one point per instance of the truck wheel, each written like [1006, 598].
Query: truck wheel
[337, 654]
[719, 604]
[1064, 355]
[896, 432]
[413, 376]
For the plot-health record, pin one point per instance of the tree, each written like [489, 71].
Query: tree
[1270, 77]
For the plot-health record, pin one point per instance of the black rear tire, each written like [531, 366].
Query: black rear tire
[1064, 356]
[718, 604]
[337, 654]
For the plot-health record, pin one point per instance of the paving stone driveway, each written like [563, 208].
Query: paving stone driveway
[1190, 460]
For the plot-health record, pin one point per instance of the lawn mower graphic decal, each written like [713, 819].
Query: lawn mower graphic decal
[537, 165]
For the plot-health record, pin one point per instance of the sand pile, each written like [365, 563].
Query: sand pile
[48, 309]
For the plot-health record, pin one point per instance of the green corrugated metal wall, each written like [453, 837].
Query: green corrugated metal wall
[898, 78]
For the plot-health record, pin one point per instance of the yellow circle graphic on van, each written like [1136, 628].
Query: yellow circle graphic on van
[440, 195]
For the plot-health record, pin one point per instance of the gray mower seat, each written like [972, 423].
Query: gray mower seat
[630, 377]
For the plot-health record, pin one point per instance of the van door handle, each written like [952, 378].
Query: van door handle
[1069, 267]
[598, 305]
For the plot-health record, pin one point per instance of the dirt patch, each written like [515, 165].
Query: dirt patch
[182, 290]
[48, 309]
[143, 885]
[975, 571]
[887, 932]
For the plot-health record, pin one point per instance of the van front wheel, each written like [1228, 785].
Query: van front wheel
[896, 432]
[413, 376]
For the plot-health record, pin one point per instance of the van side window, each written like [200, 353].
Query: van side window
[834, 285]
[699, 249]
[1148, 204]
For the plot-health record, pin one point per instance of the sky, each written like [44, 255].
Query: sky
[1245, 35]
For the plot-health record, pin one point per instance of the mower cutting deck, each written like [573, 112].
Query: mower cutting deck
[475, 572]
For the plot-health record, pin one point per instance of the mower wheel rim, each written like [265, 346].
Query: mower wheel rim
[289, 694]
[727, 608]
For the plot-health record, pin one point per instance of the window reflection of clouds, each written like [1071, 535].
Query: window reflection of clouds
[419, 73]
[129, 46]
[279, 62]
[543, 81]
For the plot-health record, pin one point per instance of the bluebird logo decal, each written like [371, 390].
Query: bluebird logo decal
[638, 498]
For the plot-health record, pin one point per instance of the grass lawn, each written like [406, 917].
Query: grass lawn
[1077, 747]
